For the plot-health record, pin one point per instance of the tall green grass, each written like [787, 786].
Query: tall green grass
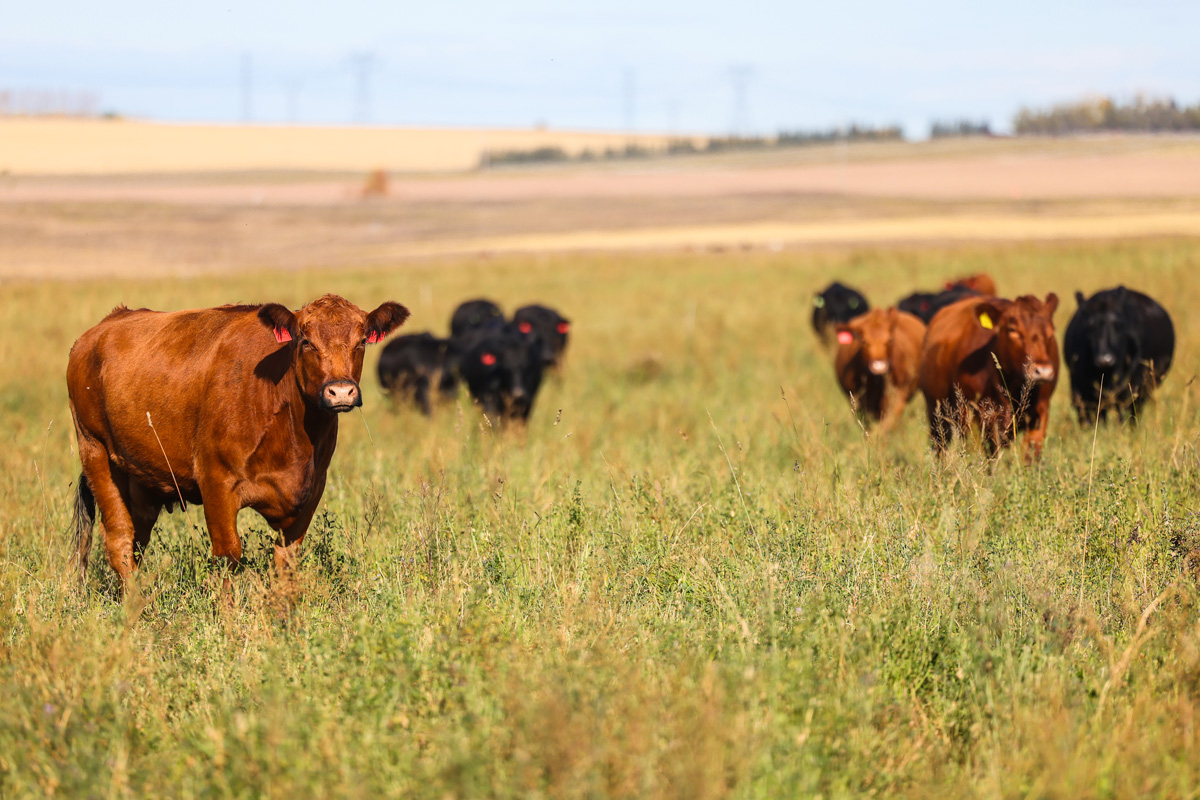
[692, 576]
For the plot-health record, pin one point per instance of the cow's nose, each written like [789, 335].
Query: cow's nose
[1105, 360]
[879, 366]
[1041, 372]
[341, 395]
[518, 392]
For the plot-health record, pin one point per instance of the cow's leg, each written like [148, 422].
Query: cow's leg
[291, 535]
[109, 486]
[220, 515]
[422, 395]
[144, 510]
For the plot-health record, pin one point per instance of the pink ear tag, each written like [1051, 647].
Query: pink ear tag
[488, 359]
[525, 327]
[563, 327]
[845, 337]
[282, 335]
[374, 337]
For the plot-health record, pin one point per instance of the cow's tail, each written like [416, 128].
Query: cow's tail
[85, 518]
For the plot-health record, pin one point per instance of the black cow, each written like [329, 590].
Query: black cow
[474, 314]
[410, 365]
[503, 370]
[926, 304]
[1118, 348]
[549, 326]
[837, 304]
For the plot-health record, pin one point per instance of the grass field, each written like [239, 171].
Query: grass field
[692, 576]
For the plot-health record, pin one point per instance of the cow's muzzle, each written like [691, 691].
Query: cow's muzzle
[1041, 373]
[340, 396]
[1105, 360]
[878, 367]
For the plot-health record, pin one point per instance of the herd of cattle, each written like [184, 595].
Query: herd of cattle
[992, 363]
[501, 361]
[237, 407]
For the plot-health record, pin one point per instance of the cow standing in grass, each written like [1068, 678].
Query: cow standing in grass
[1118, 347]
[992, 363]
[232, 407]
[877, 359]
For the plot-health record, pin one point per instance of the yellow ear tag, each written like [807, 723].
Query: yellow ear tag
[985, 320]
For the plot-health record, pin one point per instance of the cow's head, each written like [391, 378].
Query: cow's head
[1109, 334]
[328, 338]
[871, 333]
[1021, 334]
[507, 369]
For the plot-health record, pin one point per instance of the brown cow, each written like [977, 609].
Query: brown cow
[994, 363]
[877, 360]
[207, 406]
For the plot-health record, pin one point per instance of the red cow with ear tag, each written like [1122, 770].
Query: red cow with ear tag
[991, 363]
[876, 363]
[232, 407]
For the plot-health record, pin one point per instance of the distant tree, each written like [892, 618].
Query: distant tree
[942, 129]
[1143, 113]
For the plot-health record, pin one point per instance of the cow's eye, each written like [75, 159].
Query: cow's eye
[305, 344]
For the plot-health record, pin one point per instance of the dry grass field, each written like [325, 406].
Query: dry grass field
[693, 575]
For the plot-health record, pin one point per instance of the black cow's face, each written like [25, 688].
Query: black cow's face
[1108, 337]
[839, 303]
[505, 371]
[328, 338]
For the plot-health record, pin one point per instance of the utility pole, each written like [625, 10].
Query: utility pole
[740, 75]
[247, 89]
[291, 88]
[362, 64]
[628, 85]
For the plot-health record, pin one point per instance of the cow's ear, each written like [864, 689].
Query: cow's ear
[1079, 298]
[280, 320]
[1052, 303]
[987, 314]
[384, 320]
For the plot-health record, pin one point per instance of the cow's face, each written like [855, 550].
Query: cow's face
[871, 333]
[328, 338]
[1108, 337]
[1023, 335]
[839, 303]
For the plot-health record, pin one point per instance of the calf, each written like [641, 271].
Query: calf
[877, 359]
[1118, 347]
[992, 363]
[410, 365]
[549, 326]
[502, 368]
[836, 304]
[233, 407]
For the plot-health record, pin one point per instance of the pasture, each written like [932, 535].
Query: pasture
[691, 576]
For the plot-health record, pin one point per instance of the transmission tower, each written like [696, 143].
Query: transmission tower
[740, 74]
[362, 64]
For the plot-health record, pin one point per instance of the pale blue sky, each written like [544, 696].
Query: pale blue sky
[520, 62]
